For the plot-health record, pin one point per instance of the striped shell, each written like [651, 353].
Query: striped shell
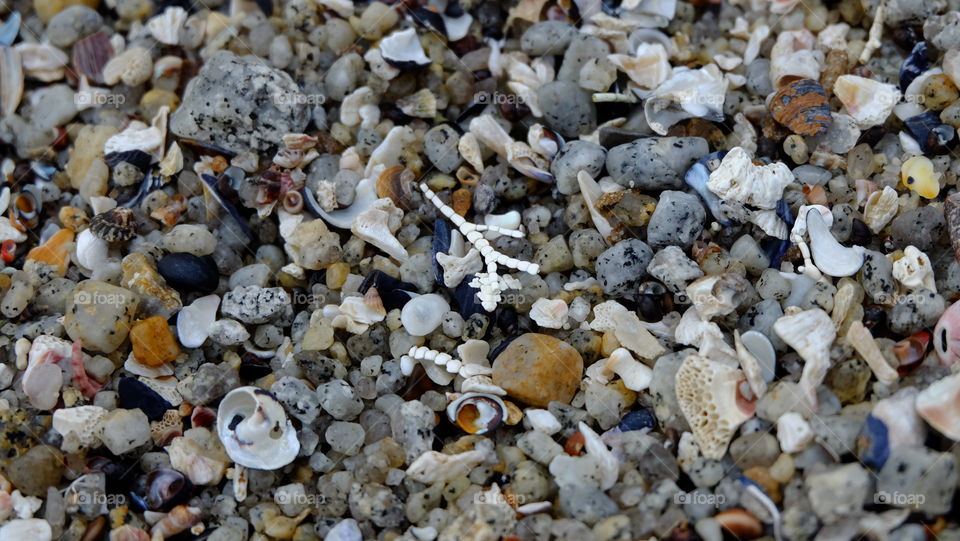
[802, 106]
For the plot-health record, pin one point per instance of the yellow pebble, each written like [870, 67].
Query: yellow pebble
[337, 275]
[917, 174]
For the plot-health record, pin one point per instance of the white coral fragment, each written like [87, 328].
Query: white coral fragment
[863, 343]
[433, 467]
[377, 226]
[611, 316]
[165, 28]
[717, 295]
[880, 208]
[811, 333]
[739, 179]
[648, 67]
[569, 470]
[636, 376]
[456, 268]
[709, 397]
[914, 270]
[549, 313]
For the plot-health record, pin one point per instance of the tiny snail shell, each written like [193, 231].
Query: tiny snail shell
[255, 430]
[477, 413]
[293, 202]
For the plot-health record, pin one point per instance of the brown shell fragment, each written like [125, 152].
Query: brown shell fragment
[90, 54]
[802, 106]
[951, 211]
[114, 225]
[461, 200]
[396, 183]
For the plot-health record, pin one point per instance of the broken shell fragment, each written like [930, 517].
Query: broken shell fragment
[11, 80]
[710, 398]
[737, 178]
[862, 341]
[881, 207]
[403, 51]
[686, 94]
[477, 413]
[649, 66]
[869, 102]
[803, 107]
[946, 335]
[914, 270]
[831, 257]
[114, 225]
[811, 333]
[938, 405]
[255, 430]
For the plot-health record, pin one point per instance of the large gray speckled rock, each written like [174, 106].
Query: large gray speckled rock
[655, 163]
[240, 103]
[678, 220]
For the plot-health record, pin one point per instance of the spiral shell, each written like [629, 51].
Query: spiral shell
[255, 431]
[802, 106]
[477, 413]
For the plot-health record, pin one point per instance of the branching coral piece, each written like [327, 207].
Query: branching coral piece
[489, 283]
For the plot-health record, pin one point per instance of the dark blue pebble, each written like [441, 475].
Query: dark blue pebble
[873, 443]
[637, 420]
[136, 394]
[187, 272]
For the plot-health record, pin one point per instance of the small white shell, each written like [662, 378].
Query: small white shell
[91, 249]
[737, 178]
[489, 132]
[377, 226]
[568, 469]
[811, 333]
[831, 257]
[869, 102]
[758, 359]
[11, 80]
[456, 268]
[403, 51]
[549, 313]
[255, 431]
[423, 314]
[477, 413]
[686, 94]
[717, 295]
[708, 394]
[42, 61]
[881, 207]
[469, 148]
[914, 270]
[165, 27]
[793, 432]
[355, 314]
[649, 67]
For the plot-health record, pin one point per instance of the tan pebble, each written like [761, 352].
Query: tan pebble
[154, 99]
[337, 275]
[461, 200]
[73, 218]
[782, 469]
[153, 343]
[537, 369]
[761, 476]
[938, 92]
[608, 344]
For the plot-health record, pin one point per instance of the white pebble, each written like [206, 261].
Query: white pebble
[423, 314]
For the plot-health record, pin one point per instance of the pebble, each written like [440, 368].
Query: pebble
[252, 304]
[919, 479]
[73, 23]
[187, 272]
[574, 157]
[567, 108]
[547, 37]
[340, 400]
[191, 239]
[920, 227]
[141, 276]
[537, 369]
[678, 220]
[100, 315]
[153, 343]
[124, 430]
[622, 267]
[838, 492]
[273, 102]
[655, 163]
[440, 146]
[423, 314]
[36, 470]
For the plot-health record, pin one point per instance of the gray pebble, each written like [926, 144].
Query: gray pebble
[622, 267]
[920, 227]
[581, 50]
[577, 156]
[915, 311]
[677, 220]
[758, 77]
[252, 304]
[71, 24]
[586, 504]
[654, 163]
[876, 277]
[567, 108]
[918, 478]
[440, 146]
[547, 37]
[838, 492]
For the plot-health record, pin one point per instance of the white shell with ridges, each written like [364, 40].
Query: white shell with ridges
[255, 430]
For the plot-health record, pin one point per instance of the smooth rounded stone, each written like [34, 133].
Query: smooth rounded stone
[838, 492]
[586, 504]
[773, 286]
[658, 463]
[376, 503]
[19, 529]
[100, 315]
[423, 314]
[848, 380]
[574, 157]
[191, 239]
[257, 274]
[876, 277]
[228, 332]
[539, 447]
[537, 369]
[677, 220]
[918, 478]
[915, 311]
[187, 272]
[252, 304]
[212, 111]
[655, 163]
[531, 481]
[705, 472]
[811, 174]
[604, 403]
[298, 399]
[622, 267]
[345, 530]
[440, 146]
[586, 245]
[345, 438]
[554, 256]
[71, 24]
[547, 37]
[210, 382]
[582, 49]
[124, 430]
[567, 108]
[758, 77]
[754, 449]
[340, 400]
[842, 135]
[746, 250]
[920, 227]
[343, 76]
[36, 470]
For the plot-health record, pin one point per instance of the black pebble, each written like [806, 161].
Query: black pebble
[187, 272]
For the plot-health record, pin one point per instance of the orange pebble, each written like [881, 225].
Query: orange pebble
[153, 343]
[56, 251]
[461, 200]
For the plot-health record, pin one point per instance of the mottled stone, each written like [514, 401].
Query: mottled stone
[538, 369]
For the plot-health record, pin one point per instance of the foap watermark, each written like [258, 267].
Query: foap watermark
[699, 498]
[499, 498]
[899, 499]
[298, 498]
[303, 298]
[98, 99]
[498, 98]
[298, 99]
[87, 497]
[96, 298]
